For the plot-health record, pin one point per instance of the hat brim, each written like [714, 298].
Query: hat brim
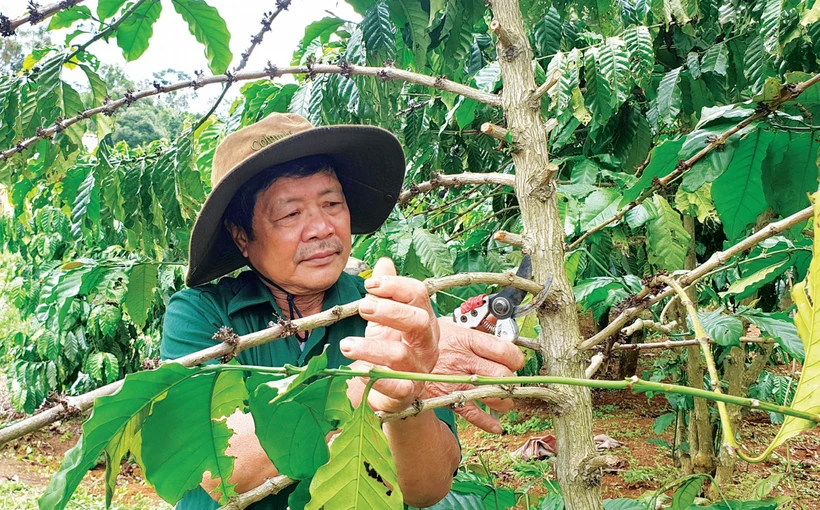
[369, 165]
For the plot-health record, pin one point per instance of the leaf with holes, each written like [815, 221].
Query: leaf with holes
[361, 472]
[66, 18]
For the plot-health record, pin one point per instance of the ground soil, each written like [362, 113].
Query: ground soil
[644, 465]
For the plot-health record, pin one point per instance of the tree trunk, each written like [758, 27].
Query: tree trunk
[733, 368]
[544, 235]
[701, 441]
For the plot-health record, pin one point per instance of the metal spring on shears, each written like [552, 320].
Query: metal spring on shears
[488, 326]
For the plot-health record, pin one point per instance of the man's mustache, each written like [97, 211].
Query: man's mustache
[306, 252]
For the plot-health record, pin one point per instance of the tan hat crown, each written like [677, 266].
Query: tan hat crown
[244, 143]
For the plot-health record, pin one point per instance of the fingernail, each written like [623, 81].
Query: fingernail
[497, 428]
[372, 282]
[367, 305]
[346, 344]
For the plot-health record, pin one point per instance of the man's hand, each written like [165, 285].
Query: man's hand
[469, 352]
[402, 334]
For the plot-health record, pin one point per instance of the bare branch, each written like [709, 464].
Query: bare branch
[497, 132]
[384, 73]
[716, 260]
[535, 99]
[684, 343]
[255, 41]
[502, 236]
[456, 180]
[271, 486]
[787, 93]
[528, 343]
[594, 365]
[8, 27]
[640, 324]
[233, 344]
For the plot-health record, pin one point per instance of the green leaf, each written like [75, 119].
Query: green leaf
[662, 161]
[108, 8]
[663, 422]
[65, 18]
[86, 209]
[668, 101]
[724, 329]
[547, 33]
[142, 279]
[633, 139]
[71, 104]
[698, 204]
[305, 418]
[716, 59]
[411, 13]
[770, 26]
[99, 91]
[812, 15]
[716, 162]
[488, 78]
[107, 428]
[321, 30]
[641, 55]
[600, 207]
[764, 487]
[433, 253]
[600, 96]
[379, 34]
[361, 472]
[666, 240]
[738, 193]
[624, 504]
[307, 101]
[780, 327]
[749, 283]
[135, 32]
[210, 30]
[175, 457]
[790, 171]
[686, 493]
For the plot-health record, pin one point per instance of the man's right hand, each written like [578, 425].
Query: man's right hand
[469, 352]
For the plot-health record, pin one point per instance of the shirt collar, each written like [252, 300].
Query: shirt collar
[253, 292]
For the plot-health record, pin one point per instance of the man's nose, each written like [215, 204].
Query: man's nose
[318, 225]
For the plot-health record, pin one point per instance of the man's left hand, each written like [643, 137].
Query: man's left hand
[402, 334]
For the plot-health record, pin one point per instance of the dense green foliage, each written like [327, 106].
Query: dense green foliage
[643, 85]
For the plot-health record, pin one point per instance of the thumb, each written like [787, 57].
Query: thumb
[384, 267]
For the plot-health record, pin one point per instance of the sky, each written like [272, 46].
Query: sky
[172, 46]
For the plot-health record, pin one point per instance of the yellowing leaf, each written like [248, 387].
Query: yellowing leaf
[74, 264]
[806, 296]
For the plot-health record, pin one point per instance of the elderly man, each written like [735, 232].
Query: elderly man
[286, 198]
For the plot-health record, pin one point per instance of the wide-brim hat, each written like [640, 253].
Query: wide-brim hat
[369, 163]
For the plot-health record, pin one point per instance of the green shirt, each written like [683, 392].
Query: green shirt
[245, 304]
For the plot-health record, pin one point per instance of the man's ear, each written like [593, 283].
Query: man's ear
[240, 237]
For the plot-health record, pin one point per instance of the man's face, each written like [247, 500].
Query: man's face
[301, 228]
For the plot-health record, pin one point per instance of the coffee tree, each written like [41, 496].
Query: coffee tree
[654, 157]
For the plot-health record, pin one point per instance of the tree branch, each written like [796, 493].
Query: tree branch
[233, 344]
[8, 27]
[271, 486]
[640, 324]
[684, 343]
[384, 73]
[497, 132]
[516, 240]
[456, 180]
[535, 98]
[787, 93]
[716, 260]
[255, 41]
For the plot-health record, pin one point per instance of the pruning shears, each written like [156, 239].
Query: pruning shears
[496, 313]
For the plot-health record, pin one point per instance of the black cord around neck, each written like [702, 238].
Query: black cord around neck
[293, 310]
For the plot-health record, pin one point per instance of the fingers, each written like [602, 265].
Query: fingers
[384, 267]
[394, 355]
[400, 316]
[502, 405]
[479, 418]
[399, 288]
